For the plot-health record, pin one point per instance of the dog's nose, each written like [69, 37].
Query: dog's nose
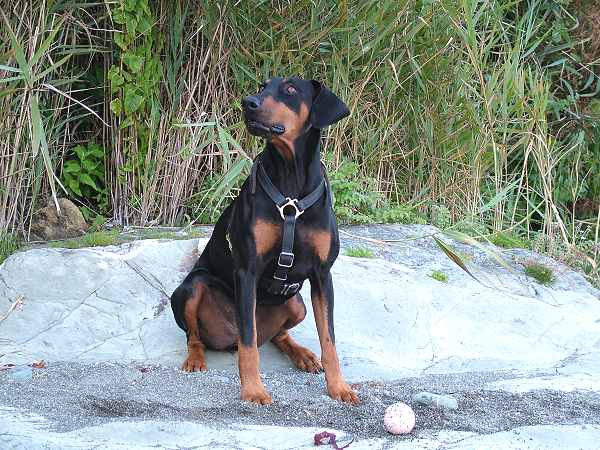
[251, 103]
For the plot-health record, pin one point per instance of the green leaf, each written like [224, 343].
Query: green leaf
[132, 102]
[10, 69]
[37, 126]
[89, 166]
[18, 49]
[126, 123]
[144, 25]
[74, 186]
[80, 151]
[118, 16]
[115, 106]
[115, 78]
[50, 69]
[9, 79]
[71, 166]
[42, 49]
[86, 179]
[450, 253]
[466, 239]
[134, 62]
[96, 150]
[224, 146]
[121, 41]
[131, 25]
[131, 5]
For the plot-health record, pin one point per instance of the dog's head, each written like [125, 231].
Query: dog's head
[285, 108]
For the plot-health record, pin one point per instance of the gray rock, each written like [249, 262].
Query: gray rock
[435, 400]
[30, 431]
[93, 309]
[48, 223]
[108, 304]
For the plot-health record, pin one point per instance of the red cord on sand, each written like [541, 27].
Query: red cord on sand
[319, 437]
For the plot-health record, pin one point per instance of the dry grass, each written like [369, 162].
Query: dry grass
[40, 115]
[453, 106]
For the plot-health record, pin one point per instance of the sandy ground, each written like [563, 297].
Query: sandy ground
[73, 395]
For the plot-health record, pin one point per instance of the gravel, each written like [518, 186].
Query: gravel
[74, 395]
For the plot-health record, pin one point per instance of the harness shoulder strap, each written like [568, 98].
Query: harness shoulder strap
[327, 185]
[269, 187]
[253, 171]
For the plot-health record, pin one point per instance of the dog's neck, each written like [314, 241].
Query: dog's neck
[299, 175]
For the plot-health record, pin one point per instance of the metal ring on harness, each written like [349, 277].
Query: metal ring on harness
[290, 202]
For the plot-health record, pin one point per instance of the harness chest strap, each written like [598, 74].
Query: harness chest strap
[290, 210]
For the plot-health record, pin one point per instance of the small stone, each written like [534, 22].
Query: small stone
[48, 223]
[21, 373]
[435, 400]
[220, 378]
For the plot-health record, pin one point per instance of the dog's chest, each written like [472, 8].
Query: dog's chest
[310, 243]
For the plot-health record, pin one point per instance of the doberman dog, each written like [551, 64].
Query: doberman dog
[278, 232]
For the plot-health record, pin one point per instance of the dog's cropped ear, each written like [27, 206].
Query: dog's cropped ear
[327, 108]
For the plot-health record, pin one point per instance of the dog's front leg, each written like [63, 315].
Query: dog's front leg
[321, 286]
[252, 389]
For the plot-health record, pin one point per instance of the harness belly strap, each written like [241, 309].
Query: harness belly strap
[290, 210]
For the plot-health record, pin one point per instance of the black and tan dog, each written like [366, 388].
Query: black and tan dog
[280, 231]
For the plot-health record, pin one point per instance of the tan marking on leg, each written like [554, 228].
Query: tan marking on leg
[195, 361]
[337, 387]
[252, 389]
[266, 235]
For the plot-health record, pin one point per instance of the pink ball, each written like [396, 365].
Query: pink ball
[399, 418]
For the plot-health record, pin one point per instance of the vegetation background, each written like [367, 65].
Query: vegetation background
[480, 116]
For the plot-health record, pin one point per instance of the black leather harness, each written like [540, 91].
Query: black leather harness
[289, 210]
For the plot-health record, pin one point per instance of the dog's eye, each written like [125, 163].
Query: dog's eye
[291, 90]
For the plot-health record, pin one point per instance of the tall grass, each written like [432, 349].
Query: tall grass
[485, 111]
[39, 112]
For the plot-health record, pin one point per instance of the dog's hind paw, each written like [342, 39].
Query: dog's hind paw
[194, 364]
[306, 361]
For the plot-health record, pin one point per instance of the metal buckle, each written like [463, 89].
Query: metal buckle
[290, 202]
[286, 254]
[290, 288]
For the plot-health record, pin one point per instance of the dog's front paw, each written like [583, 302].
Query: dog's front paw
[256, 394]
[342, 392]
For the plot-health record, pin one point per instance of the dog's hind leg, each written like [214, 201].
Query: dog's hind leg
[288, 315]
[303, 358]
[191, 297]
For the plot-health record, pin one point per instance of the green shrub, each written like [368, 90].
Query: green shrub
[359, 252]
[354, 196]
[94, 239]
[398, 214]
[543, 274]
[506, 239]
[440, 276]
[9, 243]
[440, 216]
[83, 175]
[356, 200]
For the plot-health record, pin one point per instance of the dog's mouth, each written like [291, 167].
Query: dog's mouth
[260, 129]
